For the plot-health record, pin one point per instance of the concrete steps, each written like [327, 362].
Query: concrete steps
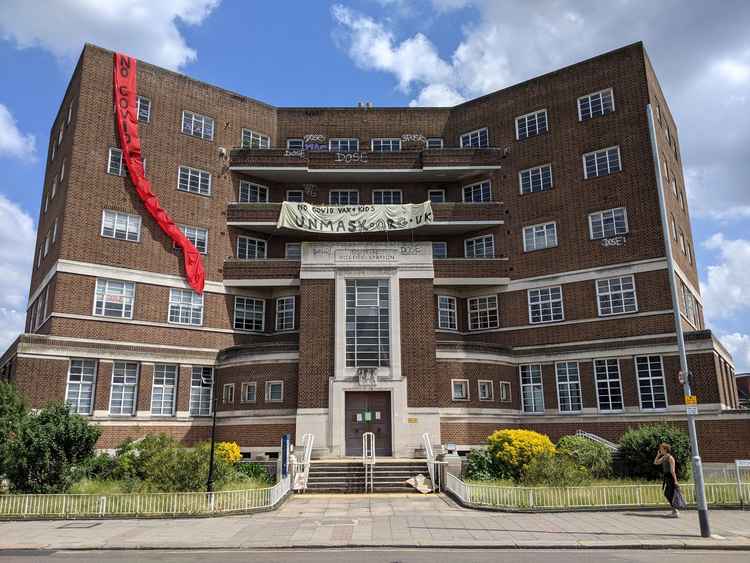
[349, 477]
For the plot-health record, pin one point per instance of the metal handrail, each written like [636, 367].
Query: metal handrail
[594, 438]
[307, 444]
[430, 455]
[368, 460]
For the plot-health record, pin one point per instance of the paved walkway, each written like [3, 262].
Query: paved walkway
[385, 520]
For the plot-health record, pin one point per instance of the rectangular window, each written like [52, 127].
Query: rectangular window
[532, 392]
[122, 398]
[505, 390]
[249, 392]
[70, 114]
[386, 197]
[197, 125]
[537, 237]
[285, 313]
[144, 109]
[54, 231]
[475, 139]
[545, 305]
[253, 140]
[608, 385]
[201, 390]
[683, 247]
[295, 144]
[689, 305]
[537, 179]
[439, 250]
[447, 317]
[435, 143]
[46, 245]
[79, 393]
[651, 388]
[608, 223]
[616, 296]
[568, 387]
[598, 103]
[251, 248]
[194, 181]
[386, 145]
[295, 196]
[531, 124]
[54, 188]
[274, 391]
[486, 390]
[368, 323]
[115, 164]
[197, 235]
[46, 203]
[62, 171]
[483, 313]
[114, 298]
[121, 226]
[60, 136]
[601, 163]
[480, 247]
[185, 307]
[293, 250]
[227, 395]
[253, 193]
[164, 390]
[249, 314]
[477, 193]
[343, 145]
[460, 389]
[436, 196]
[343, 197]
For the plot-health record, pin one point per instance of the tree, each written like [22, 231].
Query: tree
[638, 448]
[12, 412]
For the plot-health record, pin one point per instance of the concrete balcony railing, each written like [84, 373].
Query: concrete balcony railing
[261, 272]
[455, 268]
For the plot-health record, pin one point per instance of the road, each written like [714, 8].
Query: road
[376, 556]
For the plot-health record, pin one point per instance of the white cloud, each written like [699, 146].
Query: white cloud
[17, 239]
[444, 6]
[146, 29]
[726, 291]
[12, 141]
[437, 95]
[739, 346]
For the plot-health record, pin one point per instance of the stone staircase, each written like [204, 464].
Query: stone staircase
[349, 476]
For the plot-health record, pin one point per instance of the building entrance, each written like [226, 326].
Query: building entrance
[368, 411]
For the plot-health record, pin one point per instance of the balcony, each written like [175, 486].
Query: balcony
[269, 272]
[471, 271]
[429, 165]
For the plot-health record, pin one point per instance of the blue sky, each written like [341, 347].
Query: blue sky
[396, 52]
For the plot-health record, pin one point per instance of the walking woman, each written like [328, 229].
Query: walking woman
[665, 458]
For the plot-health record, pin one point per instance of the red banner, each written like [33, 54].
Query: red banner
[126, 110]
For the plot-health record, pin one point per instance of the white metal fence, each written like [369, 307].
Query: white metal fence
[156, 504]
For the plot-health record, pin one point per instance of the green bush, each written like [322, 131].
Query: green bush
[480, 466]
[638, 448]
[554, 470]
[254, 471]
[12, 412]
[513, 450]
[595, 457]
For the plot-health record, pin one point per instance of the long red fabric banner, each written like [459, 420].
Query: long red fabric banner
[127, 128]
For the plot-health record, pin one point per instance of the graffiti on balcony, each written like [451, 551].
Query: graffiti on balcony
[295, 153]
[614, 241]
[351, 157]
[414, 138]
[315, 142]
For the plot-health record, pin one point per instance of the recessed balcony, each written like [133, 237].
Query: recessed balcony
[471, 271]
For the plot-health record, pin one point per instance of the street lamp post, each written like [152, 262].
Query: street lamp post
[210, 482]
[700, 492]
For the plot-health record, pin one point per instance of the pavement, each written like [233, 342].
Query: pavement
[396, 521]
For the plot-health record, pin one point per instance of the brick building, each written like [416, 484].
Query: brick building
[537, 297]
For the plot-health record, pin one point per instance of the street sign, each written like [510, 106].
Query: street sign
[691, 400]
[692, 410]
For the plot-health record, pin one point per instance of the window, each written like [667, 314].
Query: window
[532, 393]
[674, 229]
[164, 390]
[248, 392]
[62, 171]
[46, 203]
[197, 125]
[651, 388]
[447, 312]
[439, 250]
[121, 226]
[386, 145]
[249, 314]
[531, 124]
[505, 392]
[537, 237]
[250, 248]
[41, 310]
[253, 193]
[253, 140]
[486, 390]
[293, 250]
[54, 148]
[483, 313]
[480, 247]
[537, 179]
[274, 391]
[54, 188]
[598, 103]
[54, 231]
[601, 163]
[227, 395]
[60, 136]
[608, 385]
[46, 245]
[295, 195]
[616, 296]
[460, 389]
[295, 144]
[115, 163]
[436, 196]
[568, 387]
[201, 390]
[198, 236]
[285, 313]
[144, 109]
[368, 323]
[386, 197]
[114, 298]
[545, 305]
[343, 145]
[477, 193]
[689, 304]
[185, 307]
[124, 388]
[475, 139]
[70, 114]
[343, 197]
[683, 247]
[435, 143]
[80, 389]
[608, 223]
[194, 181]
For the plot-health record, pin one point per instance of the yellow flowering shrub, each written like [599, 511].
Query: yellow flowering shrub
[229, 452]
[513, 450]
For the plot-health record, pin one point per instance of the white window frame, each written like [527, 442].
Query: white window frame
[46, 245]
[177, 297]
[538, 171]
[550, 241]
[205, 393]
[608, 215]
[88, 365]
[391, 193]
[564, 387]
[448, 305]
[290, 144]
[481, 190]
[608, 172]
[259, 243]
[127, 385]
[609, 384]
[465, 384]
[350, 192]
[111, 155]
[339, 140]
[527, 119]
[287, 253]
[506, 392]
[246, 386]
[54, 231]
[261, 190]
[650, 381]
[132, 223]
[127, 294]
[490, 386]
[190, 171]
[525, 386]
[608, 292]
[227, 394]
[269, 385]
[283, 311]
[548, 302]
[69, 114]
[193, 234]
[62, 170]
[436, 191]
[164, 407]
[432, 140]
[54, 188]
[300, 192]
[483, 305]
[247, 317]
[60, 135]
[588, 97]
[197, 118]
[139, 106]
[469, 242]
[465, 139]
[383, 142]
[256, 140]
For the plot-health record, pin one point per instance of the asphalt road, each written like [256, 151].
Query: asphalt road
[376, 556]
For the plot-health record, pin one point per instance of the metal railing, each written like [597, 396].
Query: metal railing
[594, 438]
[368, 460]
[301, 469]
[153, 504]
[430, 455]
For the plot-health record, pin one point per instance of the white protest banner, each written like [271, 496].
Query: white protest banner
[353, 218]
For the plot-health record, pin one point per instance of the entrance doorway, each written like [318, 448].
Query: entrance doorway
[368, 411]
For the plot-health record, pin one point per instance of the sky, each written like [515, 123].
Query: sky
[396, 53]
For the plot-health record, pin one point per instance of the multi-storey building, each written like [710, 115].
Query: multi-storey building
[538, 296]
